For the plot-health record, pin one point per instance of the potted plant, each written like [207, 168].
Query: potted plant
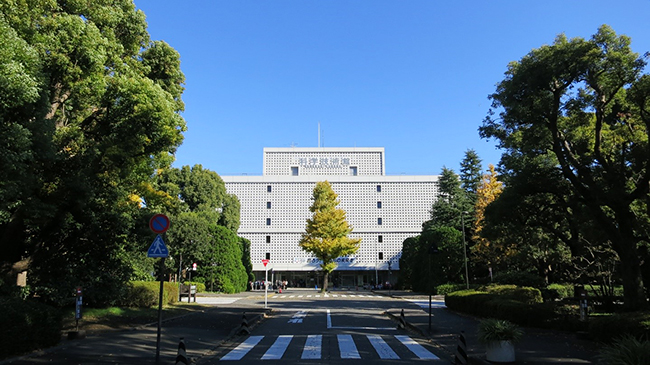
[499, 337]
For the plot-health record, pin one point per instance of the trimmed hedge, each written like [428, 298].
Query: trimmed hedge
[144, 294]
[524, 294]
[519, 305]
[27, 325]
[608, 328]
[445, 289]
[558, 291]
[200, 287]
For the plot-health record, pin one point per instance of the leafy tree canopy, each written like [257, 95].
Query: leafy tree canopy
[326, 234]
[586, 102]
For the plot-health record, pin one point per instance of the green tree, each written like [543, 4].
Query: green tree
[587, 102]
[326, 234]
[90, 106]
[222, 267]
[470, 174]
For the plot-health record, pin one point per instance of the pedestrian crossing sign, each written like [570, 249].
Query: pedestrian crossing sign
[158, 248]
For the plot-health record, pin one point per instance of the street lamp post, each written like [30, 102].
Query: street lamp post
[462, 222]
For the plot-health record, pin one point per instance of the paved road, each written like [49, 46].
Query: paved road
[335, 328]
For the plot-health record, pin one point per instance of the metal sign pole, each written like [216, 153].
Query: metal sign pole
[266, 287]
[160, 302]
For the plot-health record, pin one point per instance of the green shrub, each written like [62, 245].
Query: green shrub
[595, 290]
[27, 326]
[145, 294]
[626, 350]
[607, 328]
[526, 295]
[200, 287]
[557, 291]
[503, 302]
[445, 289]
[520, 279]
[494, 330]
[139, 295]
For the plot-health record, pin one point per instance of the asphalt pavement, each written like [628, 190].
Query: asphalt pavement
[538, 346]
[204, 331]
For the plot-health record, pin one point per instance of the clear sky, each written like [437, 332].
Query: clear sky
[412, 76]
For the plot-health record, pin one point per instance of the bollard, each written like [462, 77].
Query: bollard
[244, 330]
[402, 321]
[181, 357]
[461, 350]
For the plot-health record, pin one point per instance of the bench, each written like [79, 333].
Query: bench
[189, 291]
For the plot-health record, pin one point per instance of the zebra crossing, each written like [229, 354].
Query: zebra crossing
[314, 296]
[341, 346]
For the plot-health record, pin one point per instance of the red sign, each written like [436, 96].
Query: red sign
[159, 223]
[265, 262]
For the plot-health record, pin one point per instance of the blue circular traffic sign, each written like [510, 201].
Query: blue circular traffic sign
[159, 223]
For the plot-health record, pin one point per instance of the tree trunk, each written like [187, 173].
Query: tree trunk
[324, 288]
[633, 290]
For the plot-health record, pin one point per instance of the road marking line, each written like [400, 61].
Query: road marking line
[300, 296]
[309, 296]
[343, 295]
[278, 348]
[317, 296]
[335, 295]
[240, 351]
[329, 326]
[416, 348]
[383, 350]
[329, 320]
[326, 295]
[347, 347]
[312, 349]
[291, 296]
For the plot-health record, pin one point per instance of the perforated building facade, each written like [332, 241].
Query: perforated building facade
[383, 210]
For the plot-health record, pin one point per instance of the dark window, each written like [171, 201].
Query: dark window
[378, 188]
[378, 205]
[268, 188]
[268, 221]
[380, 238]
[294, 171]
[268, 255]
[268, 205]
[353, 170]
[378, 221]
[268, 239]
[381, 256]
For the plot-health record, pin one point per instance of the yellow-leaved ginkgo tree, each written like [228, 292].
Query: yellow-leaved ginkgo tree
[326, 234]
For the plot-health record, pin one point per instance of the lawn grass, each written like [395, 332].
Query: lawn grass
[99, 319]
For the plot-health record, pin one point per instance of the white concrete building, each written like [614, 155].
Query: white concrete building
[383, 210]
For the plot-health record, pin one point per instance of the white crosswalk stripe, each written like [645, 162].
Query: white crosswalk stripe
[276, 351]
[312, 349]
[385, 347]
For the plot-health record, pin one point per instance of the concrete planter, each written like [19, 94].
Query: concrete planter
[500, 351]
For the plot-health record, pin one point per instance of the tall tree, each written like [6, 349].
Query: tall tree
[326, 234]
[489, 189]
[89, 107]
[470, 174]
[587, 102]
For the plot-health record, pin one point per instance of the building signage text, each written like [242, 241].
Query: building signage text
[323, 162]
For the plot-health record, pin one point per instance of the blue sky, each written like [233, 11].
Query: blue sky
[412, 76]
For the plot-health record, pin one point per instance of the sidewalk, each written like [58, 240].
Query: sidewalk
[538, 346]
[203, 331]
